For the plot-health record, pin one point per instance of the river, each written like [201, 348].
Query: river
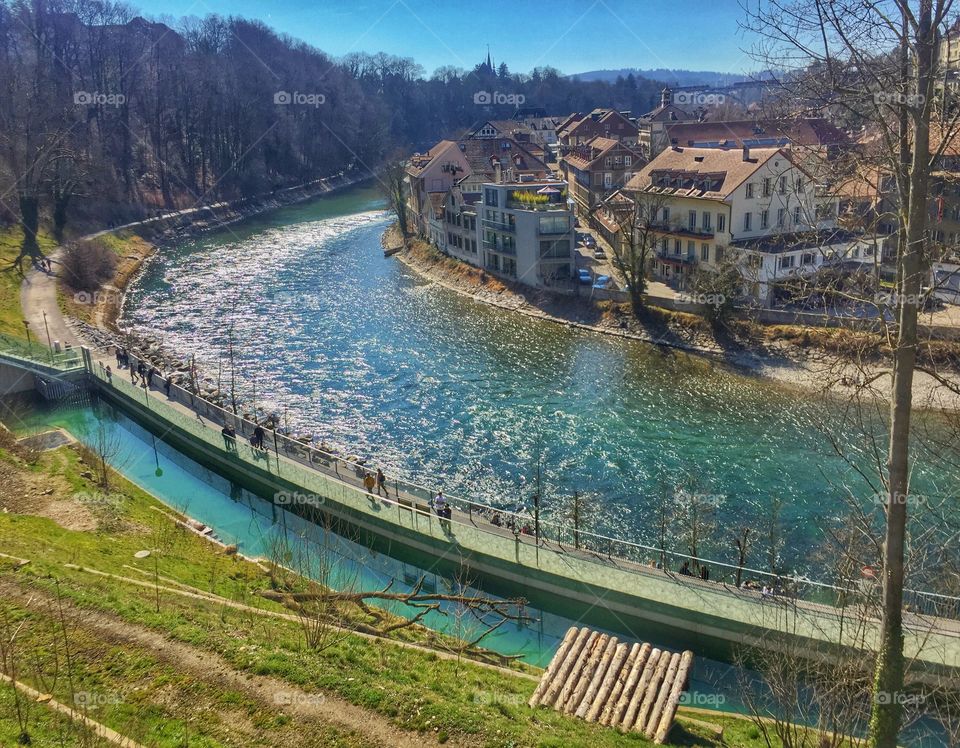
[441, 389]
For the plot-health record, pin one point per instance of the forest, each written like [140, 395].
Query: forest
[106, 117]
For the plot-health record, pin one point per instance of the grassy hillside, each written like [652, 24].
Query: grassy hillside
[167, 653]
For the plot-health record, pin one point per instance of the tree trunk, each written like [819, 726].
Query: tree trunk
[30, 217]
[886, 716]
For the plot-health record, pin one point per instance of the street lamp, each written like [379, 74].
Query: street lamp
[26, 326]
[47, 328]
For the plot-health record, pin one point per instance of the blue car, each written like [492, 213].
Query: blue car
[602, 281]
[584, 275]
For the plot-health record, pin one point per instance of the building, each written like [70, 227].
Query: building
[652, 126]
[527, 232]
[429, 177]
[597, 169]
[580, 129]
[810, 134]
[708, 205]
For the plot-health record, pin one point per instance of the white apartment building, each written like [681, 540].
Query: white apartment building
[526, 232]
[758, 203]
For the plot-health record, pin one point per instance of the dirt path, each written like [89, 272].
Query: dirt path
[208, 666]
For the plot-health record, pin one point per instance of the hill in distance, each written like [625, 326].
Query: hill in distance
[671, 77]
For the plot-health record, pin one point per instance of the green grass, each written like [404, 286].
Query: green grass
[455, 701]
[11, 316]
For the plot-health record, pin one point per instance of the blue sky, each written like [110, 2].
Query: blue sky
[572, 35]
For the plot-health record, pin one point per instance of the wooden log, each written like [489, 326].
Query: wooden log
[614, 699]
[576, 666]
[666, 688]
[650, 693]
[630, 686]
[598, 675]
[559, 680]
[636, 699]
[607, 684]
[554, 666]
[670, 712]
[583, 678]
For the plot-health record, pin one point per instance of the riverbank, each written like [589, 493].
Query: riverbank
[806, 359]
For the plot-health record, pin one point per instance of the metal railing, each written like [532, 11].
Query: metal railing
[525, 525]
[34, 352]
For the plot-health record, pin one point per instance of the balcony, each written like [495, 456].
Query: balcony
[675, 230]
[499, 226]
[512, 251]
[672, 259]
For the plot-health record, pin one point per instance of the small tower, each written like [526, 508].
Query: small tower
[666, 96]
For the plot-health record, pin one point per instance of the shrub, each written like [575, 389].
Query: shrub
[88, 265]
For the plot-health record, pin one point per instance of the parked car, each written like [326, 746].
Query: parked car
[602, 281]
[584, 276]
[599, 254]
[589, 242]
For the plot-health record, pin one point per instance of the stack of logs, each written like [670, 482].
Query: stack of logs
[630, 687]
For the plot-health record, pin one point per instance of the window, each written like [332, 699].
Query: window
[783, 185]
[721, 222]
[786, 262]
[766, 186]
[555, 249]
[666, 213]
[705, 252]
[491, 197]
[663, 245]
[626, 160]
[764, 218]
[554, 224]
[796, 216]
[799, 185]
[749, 189]
[692, 219]
[677, 246]
[705, 221]
[781, 217]
[691, 249]
[747, 221]
[717, 253]
[607, 179]
[806, 258]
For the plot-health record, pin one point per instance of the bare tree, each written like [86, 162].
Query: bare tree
[874, 64]
[636, 213]
[393, 186]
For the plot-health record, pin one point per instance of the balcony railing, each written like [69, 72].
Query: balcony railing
[498, 248]
[667, 228]
[499, 226]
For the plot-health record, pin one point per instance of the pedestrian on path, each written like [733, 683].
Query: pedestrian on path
[229, 438]
[133, 373]
[368, 482]
[109, 375]
[167, 384]
[381, 483]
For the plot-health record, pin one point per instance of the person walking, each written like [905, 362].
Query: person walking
[229, 438]
[258, 434]
[381, 483]
[368, 482]
[133, 373]
[167, 384]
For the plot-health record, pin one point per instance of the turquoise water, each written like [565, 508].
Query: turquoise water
[241, 517]
[449, 392]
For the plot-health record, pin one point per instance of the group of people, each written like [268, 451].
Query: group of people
[687, 572]
[378, 481]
